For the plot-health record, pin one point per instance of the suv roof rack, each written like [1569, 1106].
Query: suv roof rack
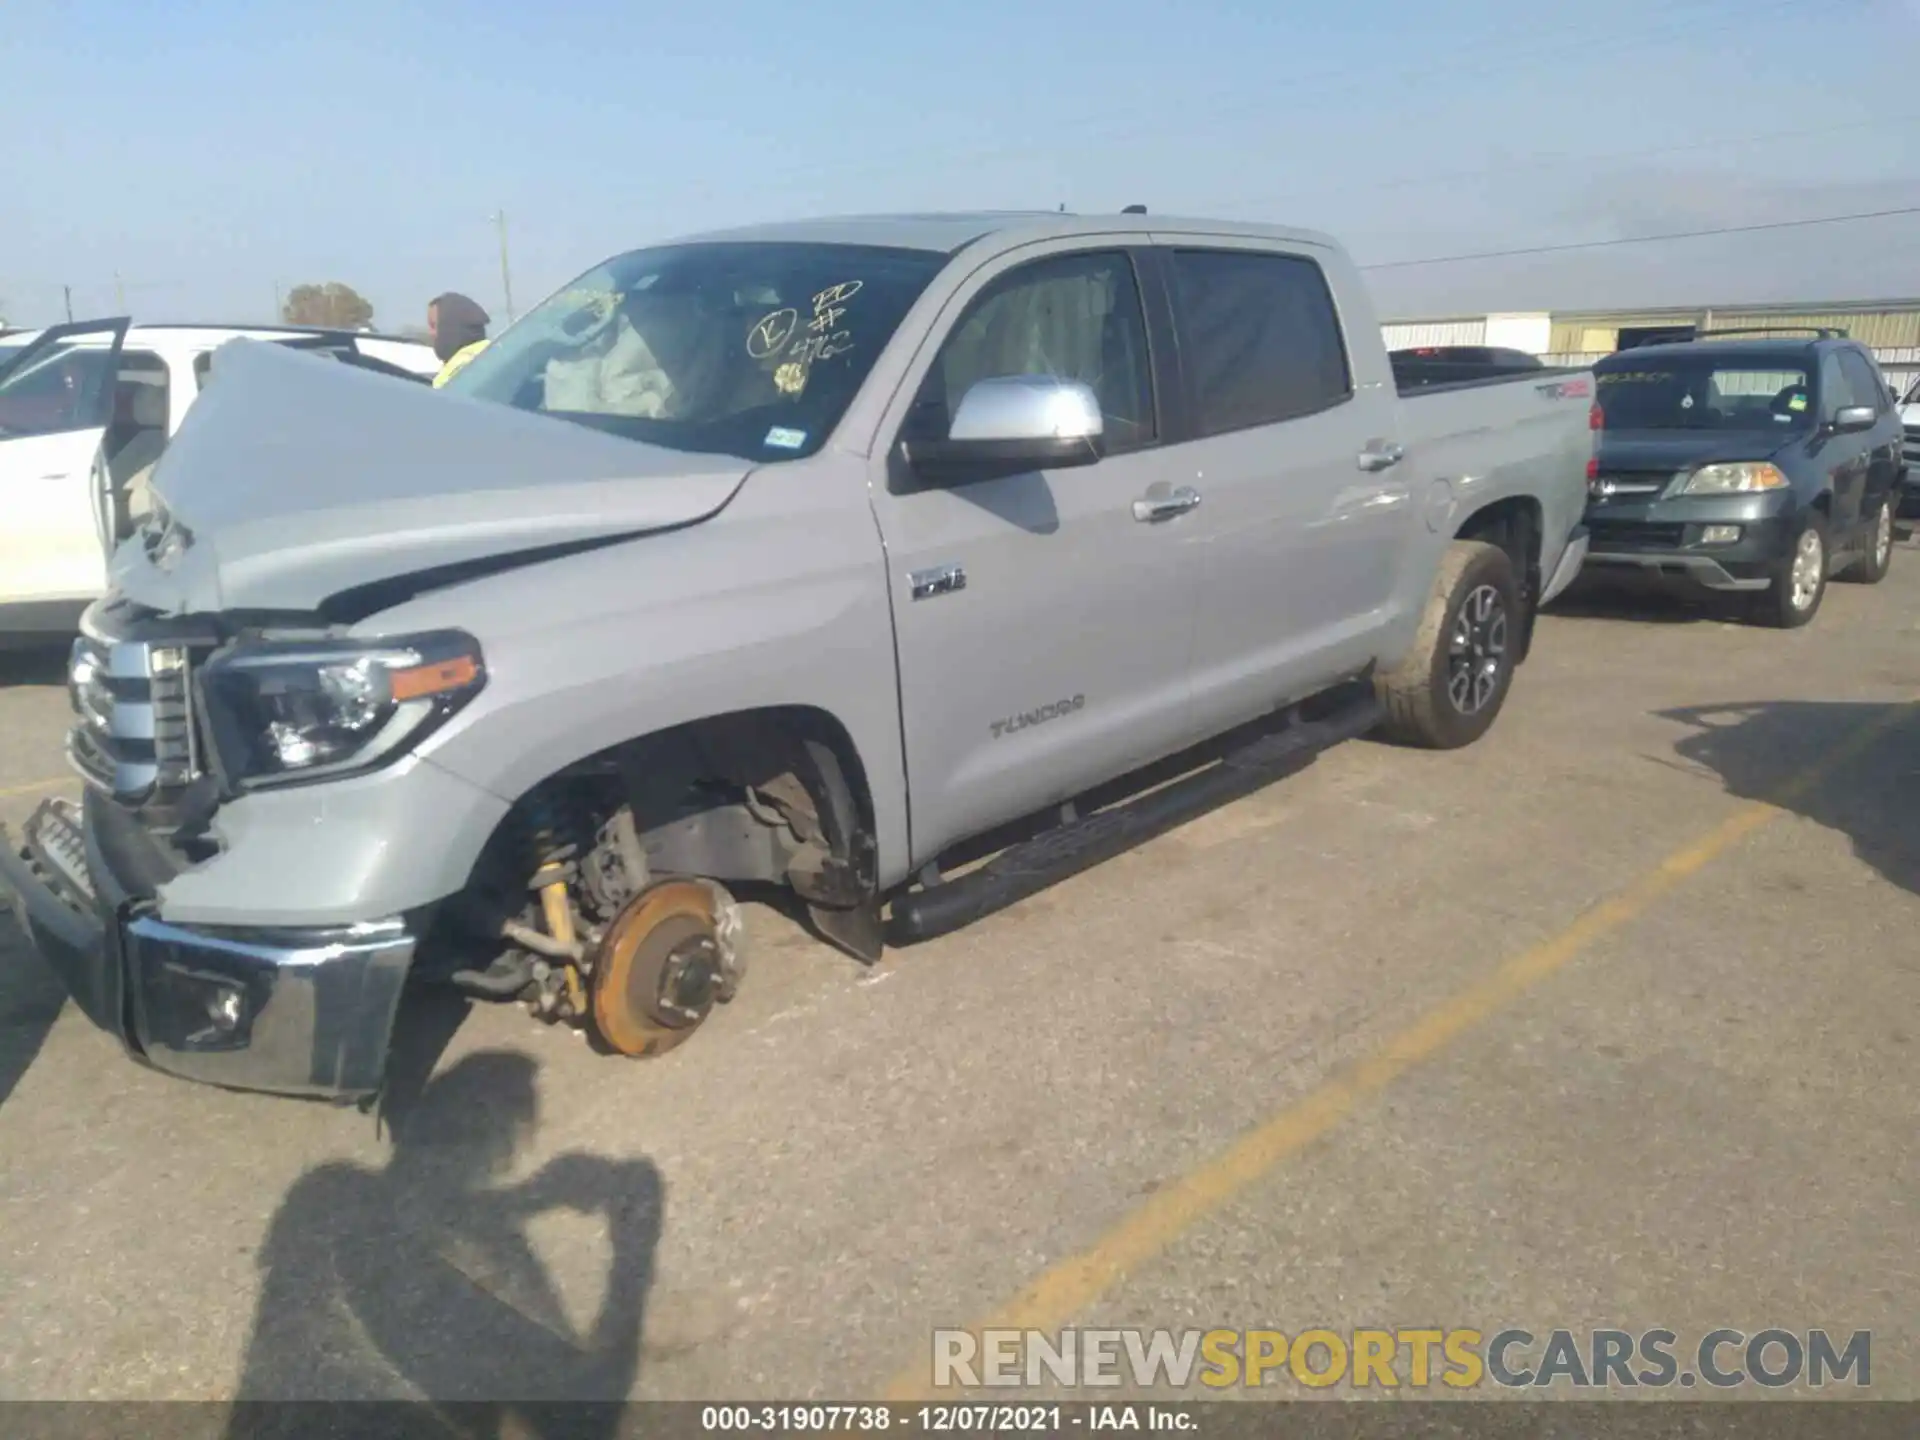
[1818, 332]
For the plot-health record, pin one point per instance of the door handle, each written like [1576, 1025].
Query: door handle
[1165, 507]
[937, 580]
[1380, 455]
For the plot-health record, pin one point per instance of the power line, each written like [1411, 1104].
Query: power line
[1646, 239]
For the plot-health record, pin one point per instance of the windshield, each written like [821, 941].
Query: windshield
[1912, 397]
[1704, 394]
[748, 349]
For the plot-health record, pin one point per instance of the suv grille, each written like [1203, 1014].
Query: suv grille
[135, 737]
[1629, 484]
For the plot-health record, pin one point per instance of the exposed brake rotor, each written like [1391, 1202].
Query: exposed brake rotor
[659, 969]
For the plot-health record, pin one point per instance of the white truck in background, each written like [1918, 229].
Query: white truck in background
[85, 411]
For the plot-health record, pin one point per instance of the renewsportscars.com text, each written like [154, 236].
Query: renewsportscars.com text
[1416, 1359]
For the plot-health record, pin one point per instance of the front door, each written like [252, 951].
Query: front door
[1882, 443]
[56, 401]
[1043, 628]
[1846, 456]
[1307, 509]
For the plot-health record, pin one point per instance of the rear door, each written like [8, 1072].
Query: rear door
[56, 402]
[1306, 506]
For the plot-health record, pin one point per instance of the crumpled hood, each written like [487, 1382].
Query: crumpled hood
[295, 478]
[1678, 449]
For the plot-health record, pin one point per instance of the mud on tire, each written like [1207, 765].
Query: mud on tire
[1451, 685]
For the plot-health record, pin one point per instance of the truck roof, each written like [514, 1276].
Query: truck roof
[947, 233]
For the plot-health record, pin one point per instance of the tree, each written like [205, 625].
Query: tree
[334, 305]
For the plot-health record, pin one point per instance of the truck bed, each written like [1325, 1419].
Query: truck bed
[1519, 430]
[1413, 388]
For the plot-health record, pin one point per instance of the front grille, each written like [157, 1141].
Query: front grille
[1616, 534]
[134, 738]
[1634, 483]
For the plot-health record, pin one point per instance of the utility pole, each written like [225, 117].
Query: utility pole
[67, 290]
[119, 293]
[506, 275]
[279, 310]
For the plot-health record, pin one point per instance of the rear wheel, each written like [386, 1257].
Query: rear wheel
[1871, 568]
[1799, 579]
[1448, 690]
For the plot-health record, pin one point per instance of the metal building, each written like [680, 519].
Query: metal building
[1890, 328]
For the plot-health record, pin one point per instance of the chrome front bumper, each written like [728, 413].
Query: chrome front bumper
[294, 1012]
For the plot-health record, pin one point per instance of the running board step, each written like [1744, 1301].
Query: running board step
[1047, 859]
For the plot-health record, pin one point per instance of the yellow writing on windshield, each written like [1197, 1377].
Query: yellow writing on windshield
[771, 332]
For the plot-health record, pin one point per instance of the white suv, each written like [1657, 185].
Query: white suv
[85, 410]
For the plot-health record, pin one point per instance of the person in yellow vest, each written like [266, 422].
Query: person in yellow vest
[459, 329]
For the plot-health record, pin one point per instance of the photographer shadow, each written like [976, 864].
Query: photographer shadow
[419, 1280]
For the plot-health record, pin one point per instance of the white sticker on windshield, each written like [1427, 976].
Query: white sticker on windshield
[781, 438]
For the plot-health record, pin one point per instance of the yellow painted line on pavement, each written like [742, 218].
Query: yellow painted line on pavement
[1052, 1300]
[34, 787]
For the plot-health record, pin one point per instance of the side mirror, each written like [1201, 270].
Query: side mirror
[1014, 423]
[1849, 418]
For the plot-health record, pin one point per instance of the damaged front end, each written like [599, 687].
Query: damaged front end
[305, 1010]
[261, 863]
[607, 897]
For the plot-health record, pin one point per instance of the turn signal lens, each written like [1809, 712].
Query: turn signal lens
[436, 679]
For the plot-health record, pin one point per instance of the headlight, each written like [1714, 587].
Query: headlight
[1735, 479]
[309, 709]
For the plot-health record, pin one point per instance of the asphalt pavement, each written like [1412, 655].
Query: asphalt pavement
[1609, 1021]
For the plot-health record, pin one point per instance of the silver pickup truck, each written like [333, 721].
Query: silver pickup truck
[866, 559]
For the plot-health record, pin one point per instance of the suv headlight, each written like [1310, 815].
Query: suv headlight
[1739, 478]
[301, 710]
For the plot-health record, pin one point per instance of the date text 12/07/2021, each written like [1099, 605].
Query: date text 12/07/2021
[944, 1419]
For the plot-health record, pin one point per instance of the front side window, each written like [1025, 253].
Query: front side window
[753, 349]
[55, 391]
[1866, 386]
[1260, 338]
[1704, 394]
[1072, 317]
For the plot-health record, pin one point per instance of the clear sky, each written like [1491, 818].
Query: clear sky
[206, 151]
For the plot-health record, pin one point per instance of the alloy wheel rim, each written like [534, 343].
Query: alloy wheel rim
[1883, 536]
[1809, 559]
[1476, 649]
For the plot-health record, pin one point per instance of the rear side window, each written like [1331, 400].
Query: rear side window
[1260, 340]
